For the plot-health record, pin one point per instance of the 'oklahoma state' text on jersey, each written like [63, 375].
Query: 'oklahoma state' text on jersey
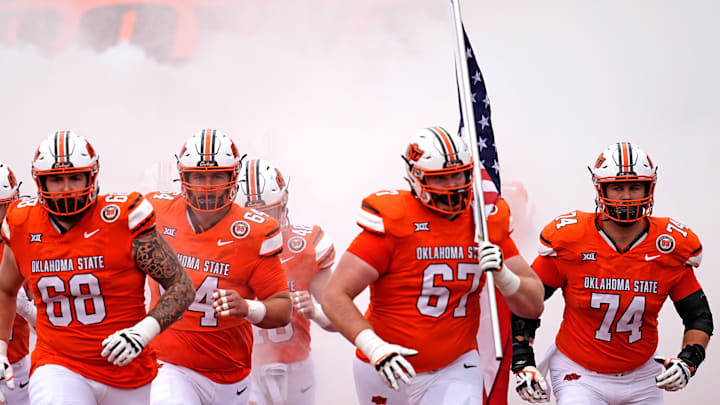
[308, 251]
[427, 294]
[19, 345]
[238, 253]
[85, 282]
[612, 298]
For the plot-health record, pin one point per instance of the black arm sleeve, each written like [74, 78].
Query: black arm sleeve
[695, 312]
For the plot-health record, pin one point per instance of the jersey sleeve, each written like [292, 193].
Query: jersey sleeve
[544, 264]
[5, 231]
[687, 285]
[268, 277]
[141, 215]
[324, 250]
[373, 249]
[272, 242]
[499, 224]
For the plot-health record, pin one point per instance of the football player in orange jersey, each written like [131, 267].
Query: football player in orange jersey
[18, 347]
[616, 268]
[231, 254]
[86, 257]
[417, 253]
[283, 371]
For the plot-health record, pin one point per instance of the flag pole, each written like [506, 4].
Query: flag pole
[481, 230]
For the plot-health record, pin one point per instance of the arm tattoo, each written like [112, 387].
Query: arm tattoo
[155, 257]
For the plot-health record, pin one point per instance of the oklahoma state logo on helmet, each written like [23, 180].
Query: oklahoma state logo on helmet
[414, 152]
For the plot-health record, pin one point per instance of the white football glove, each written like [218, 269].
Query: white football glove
[26, 307]
[6, 373]
[491, 257]
[675, 376]
[388, 359]
[530, 385]
[124, 345]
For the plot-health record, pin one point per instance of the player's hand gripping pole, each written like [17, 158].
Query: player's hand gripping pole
[481, 231]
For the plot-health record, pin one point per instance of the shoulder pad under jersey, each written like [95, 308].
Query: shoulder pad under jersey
[161, 199]
[677, 239]
[254, 224]
[312, 239]
[563, 232]
[380, 209]
[500, 221]
[133, 206]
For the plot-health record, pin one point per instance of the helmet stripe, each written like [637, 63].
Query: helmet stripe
[206, 145]
[625, 158]
[449, 148]
[252, 180]
[60, 146]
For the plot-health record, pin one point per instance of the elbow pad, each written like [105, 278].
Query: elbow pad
[695, 312]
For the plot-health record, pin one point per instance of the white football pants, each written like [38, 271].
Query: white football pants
[52, 385]
[458, 383]
[574, 384]
[177, 385]
[283, 383]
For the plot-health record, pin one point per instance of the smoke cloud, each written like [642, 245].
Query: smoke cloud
[330, 92]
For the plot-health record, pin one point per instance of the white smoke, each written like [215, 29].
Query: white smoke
[330, 91]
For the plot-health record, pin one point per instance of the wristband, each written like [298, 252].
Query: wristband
[148, 328]
[368, 342]
[319, 316]
[692, 355]
[256, 311]
[506, 281]
[3, 348]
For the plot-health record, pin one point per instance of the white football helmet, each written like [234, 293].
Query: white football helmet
[434, 153]
[265, 189]
[624, 162]
[66, 153]
[9, 186]
[209, 153]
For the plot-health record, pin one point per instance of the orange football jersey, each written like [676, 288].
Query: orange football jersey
[427, 294]
[19, 345]
[307, 251]
[85, 282]
[613, 297]
[239, 253]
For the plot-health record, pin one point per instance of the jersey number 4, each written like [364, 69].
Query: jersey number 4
[630, 321]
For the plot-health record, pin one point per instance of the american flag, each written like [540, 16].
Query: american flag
[483, 126]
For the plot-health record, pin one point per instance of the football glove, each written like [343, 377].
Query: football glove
[6, 373]
[491, 257]
[124, 345]
[678, 370]
[675, 376]
[388, 359]
[530, 385]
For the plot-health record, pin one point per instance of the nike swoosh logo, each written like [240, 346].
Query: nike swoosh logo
[304, 390]
[223, 243]
[89, 234]
[283, 261]
[469, 365]
[648, 258]
[23, 385]
[239, 392]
